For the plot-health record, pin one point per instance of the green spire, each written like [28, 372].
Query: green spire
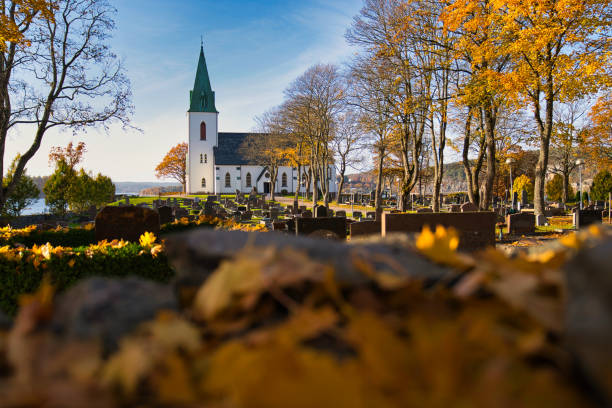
[202, 98]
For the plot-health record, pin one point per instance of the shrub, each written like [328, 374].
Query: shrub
[65, 237]
[602, 185]
[22, 271]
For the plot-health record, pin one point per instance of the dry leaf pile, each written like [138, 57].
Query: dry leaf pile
[277, 328]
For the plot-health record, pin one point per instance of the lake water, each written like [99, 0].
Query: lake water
[37, 207]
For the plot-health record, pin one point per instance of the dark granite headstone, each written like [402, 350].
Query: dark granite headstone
[584, 218]
[365, 228]
[127, 223]
[476, 230]
[165, 214]
[320, 211]
[469, 207]
[341, 213]
[330, 227]
[180, 213]
[521, 223]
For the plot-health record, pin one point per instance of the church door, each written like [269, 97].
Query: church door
[266, 187]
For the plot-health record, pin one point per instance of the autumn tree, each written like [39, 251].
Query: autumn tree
[568, 132]
[57, 72]
[174, 165]
[270, 148]
[555, 189]
[369, 94]
[313, 102]
[597, 141]
[601, 186]
[560, 50]
[383, 34]
[348, 134]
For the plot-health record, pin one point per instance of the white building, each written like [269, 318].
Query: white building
[214, 162]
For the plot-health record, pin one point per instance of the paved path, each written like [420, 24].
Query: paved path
[332, 206]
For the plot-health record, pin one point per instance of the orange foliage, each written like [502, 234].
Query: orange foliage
[13, 20]
[174, 164]
[70, 154]
[598, 139]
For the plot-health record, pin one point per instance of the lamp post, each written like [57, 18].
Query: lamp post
[352, 196]
[580, 163]
[509, 162]
[397, 196]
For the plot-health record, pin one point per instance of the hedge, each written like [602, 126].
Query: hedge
[22, 271]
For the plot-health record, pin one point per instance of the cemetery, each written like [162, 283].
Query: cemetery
[413, 207]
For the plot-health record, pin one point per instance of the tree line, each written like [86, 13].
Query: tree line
[488, 79]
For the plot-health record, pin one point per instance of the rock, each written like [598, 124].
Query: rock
[469, 207]
[107, 309]
[588, 321]
[127, 223]
[195, 254]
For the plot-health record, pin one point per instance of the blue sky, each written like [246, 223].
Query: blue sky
[254, 49]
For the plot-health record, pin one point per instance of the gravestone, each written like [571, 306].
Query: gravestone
[127, 223]
[180, 213]
[320, 211]
[424, 210]
[468, 207]
[371, 215]
[365, 228]
[515, 199]
[523, 198]
[274, 212]
[341, 214]
[476, 230]
[165, 214]
[307, 214]
[357, 215]
[279, 226]
[584, 218]
[330, 227]
[455, 208]
[521, 223]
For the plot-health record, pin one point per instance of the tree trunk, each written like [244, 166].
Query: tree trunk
[542, 166]
[490, 143]
[379, 181]
[565, 194]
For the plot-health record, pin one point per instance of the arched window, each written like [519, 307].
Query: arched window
[248, 180]
[284, 180]
[205, 158]
[228, 180]
[203, 183]
[201, 158]
[203, 131]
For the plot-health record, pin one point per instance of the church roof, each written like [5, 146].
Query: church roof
[202, 97]
[228, 152]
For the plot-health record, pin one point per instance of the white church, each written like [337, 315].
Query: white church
[214, 162]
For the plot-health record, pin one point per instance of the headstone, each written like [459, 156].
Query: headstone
[476, 230]
[341, 213]
[515, 199]
[424, 210]
[165, 214]
[455, 208]
[180, 212]
[320, 211]
[468, 207]
[127, 223]
[279, 226]
[307, 214]
[584, 218]
[521, 223]
[357, 215]
[365, 228]
[371, 215]
[541, 220]
[331, 227]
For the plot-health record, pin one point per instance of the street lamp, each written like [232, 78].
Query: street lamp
[352, 195]
[580, 163]
[509, 162]
[397, 196]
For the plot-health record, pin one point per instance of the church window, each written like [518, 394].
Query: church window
[205, 158]
[284, 180]
[248, 180]
[201, 158]
[203, 131]
[228, 180]
[203, 183]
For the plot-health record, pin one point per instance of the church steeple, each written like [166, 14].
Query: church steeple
[202, 98]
